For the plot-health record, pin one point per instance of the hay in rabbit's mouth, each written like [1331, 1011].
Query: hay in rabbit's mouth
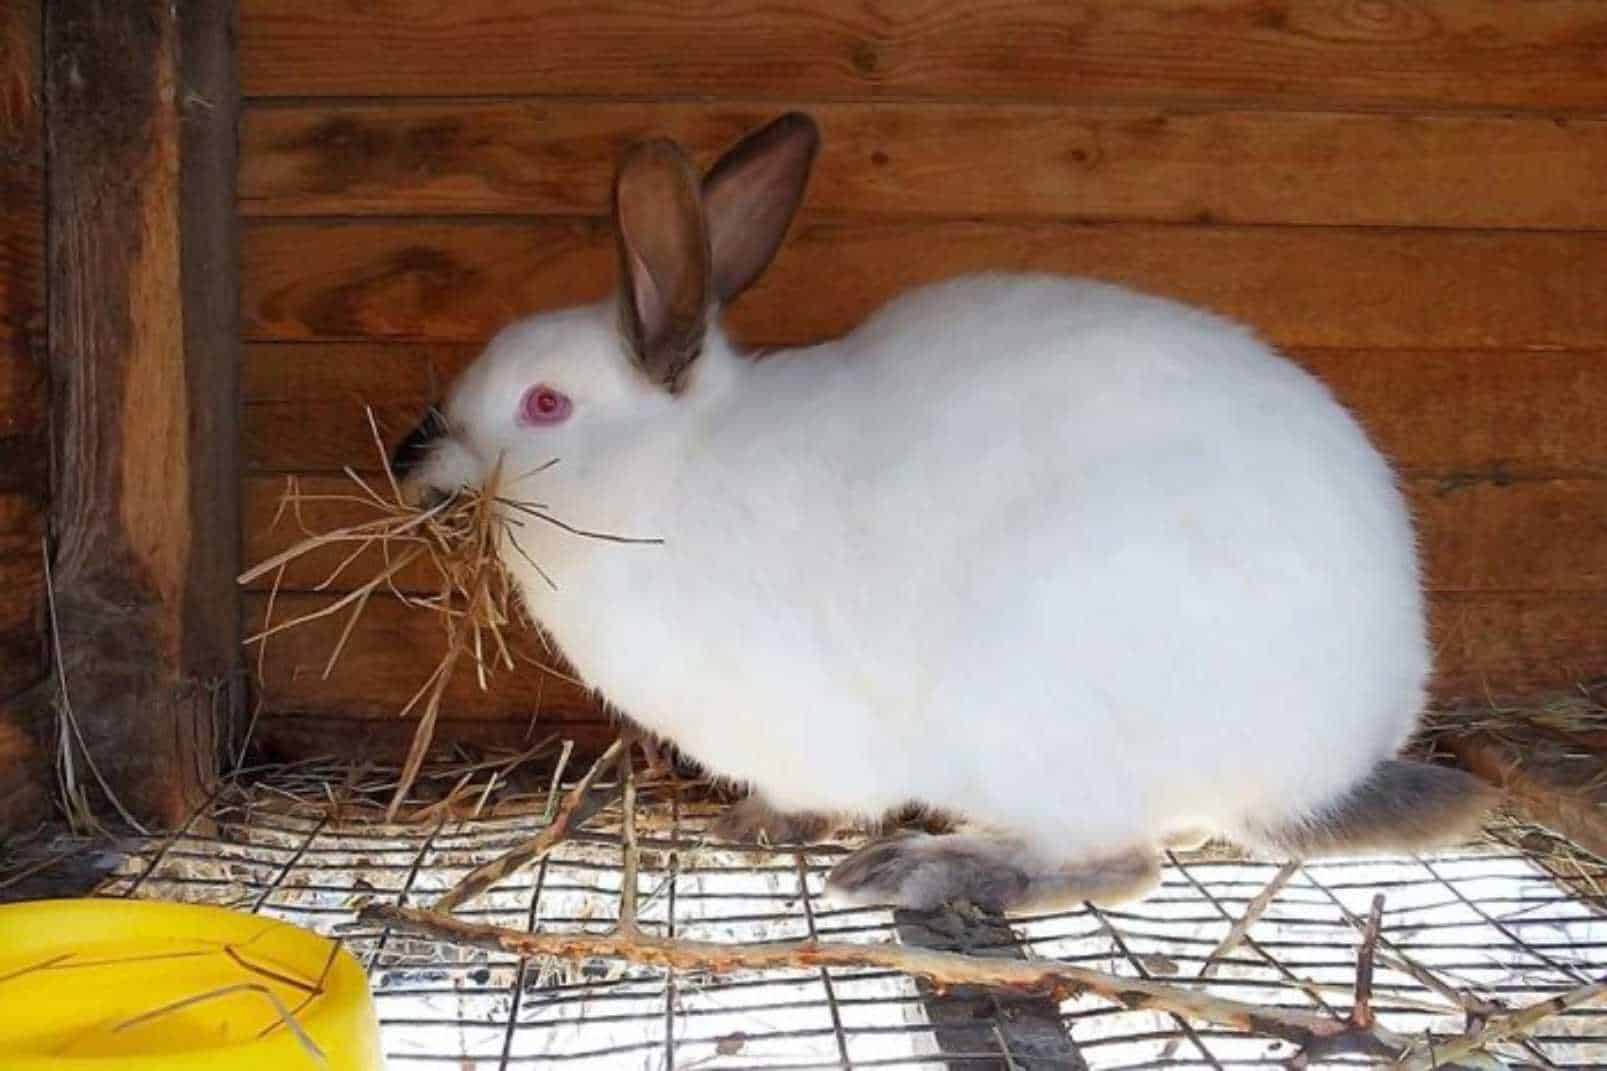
[458, 543]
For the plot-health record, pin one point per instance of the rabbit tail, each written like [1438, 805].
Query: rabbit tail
[996, 873]
[1402, 806]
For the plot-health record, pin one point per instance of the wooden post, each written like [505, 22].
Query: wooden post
[979, 1028]
[24, 421]
[141, 108]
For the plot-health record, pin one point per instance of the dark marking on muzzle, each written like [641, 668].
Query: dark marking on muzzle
[411, 451]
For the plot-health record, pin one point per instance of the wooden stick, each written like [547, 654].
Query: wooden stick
[579, 805]
[1500, 1027]
[1252, 914]
[627, 890]
[1361, 1009]
[1058, 980]
[1239, 931]
[1396, 959]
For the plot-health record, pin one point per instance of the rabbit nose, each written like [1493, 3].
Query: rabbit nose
[415, 447]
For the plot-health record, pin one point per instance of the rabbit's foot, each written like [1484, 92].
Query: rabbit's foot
[995, 873]
[754, 821]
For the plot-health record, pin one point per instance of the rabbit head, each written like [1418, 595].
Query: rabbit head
[565, 394]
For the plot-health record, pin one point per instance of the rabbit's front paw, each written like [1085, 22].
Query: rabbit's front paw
[923, 872]
[995, 873]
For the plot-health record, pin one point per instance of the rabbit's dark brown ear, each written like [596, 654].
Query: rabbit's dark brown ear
[750, 196]
[663, 249]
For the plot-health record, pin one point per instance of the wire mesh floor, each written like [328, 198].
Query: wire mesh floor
[1488, 922]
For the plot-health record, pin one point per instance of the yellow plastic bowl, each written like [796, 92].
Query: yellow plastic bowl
[139, 984]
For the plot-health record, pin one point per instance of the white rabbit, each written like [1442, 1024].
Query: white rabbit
[1094, 570]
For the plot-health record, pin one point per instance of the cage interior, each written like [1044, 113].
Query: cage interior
[248, 243]
[1513, 920]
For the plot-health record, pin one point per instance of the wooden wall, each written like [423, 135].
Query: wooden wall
[1408, 195]
[24, 422]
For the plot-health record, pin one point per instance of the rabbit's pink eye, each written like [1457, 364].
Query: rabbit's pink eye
[543, 405]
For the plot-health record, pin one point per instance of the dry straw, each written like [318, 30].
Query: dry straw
[457, 542]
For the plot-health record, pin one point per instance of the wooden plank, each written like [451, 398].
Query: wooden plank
[1435, 412]
[378, 372]
[139, 553]
[388, 657]
[1478, 53]
[25, 769]
[1300, 286]
[286, 737]
[326, 388]
[1450, 412]
[22, 623]
[22, 525]
[1486, 535]
[23, 408]
[22, 221]
[1496, 535]
[1512, 646]
[1000, 160]
[25, 465]
[24, 791]
[330, 434]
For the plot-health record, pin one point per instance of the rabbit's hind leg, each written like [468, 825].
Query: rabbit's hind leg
[996, 873]
[1401, 807]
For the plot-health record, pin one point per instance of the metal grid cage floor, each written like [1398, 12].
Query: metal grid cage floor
[1489, 921]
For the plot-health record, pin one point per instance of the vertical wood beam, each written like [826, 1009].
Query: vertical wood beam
[210, 252]
[977, 1028]
[143, 360]
[24, 419]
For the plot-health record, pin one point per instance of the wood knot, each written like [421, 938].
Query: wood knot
[1384, 20]
[866, 58]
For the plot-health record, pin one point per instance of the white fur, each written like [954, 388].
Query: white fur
[1081, 564]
